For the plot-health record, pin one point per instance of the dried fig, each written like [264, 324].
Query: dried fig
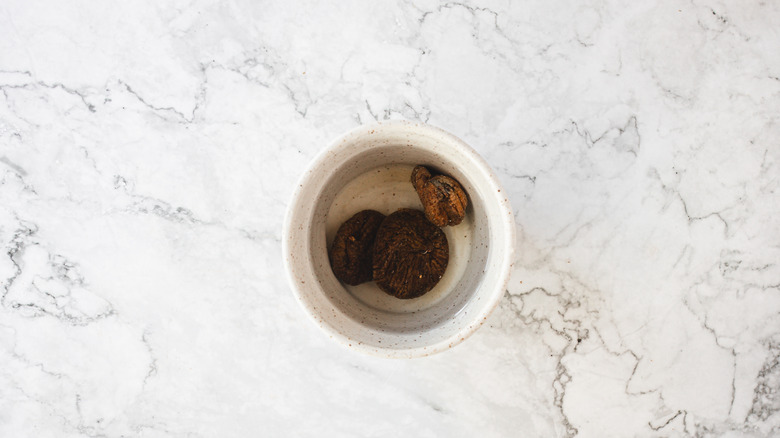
[443, 198]
[410, 254]
[352, 250]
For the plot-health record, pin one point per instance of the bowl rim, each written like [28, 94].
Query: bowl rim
[504, 269]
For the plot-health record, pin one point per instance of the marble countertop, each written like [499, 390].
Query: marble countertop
[148, 151]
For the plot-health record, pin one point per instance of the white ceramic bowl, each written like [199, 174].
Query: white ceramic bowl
[370, 167]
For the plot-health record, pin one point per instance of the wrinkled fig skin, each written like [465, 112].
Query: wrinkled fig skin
[442, 197]
[352, 249]
[410, 254]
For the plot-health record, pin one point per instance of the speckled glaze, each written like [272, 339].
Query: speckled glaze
[378, 331]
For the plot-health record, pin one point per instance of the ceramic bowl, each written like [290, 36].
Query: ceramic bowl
[370, 168]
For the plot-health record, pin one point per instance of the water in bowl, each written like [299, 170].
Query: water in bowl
[387, 189]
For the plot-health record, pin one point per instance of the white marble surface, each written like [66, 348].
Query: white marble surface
[148, 151]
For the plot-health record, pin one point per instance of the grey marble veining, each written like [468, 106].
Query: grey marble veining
[148, 151]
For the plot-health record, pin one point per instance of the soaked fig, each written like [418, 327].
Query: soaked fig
[443, 198]
[352, 249]
[410, 254]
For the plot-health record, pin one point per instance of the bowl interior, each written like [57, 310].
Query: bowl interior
[378, 160]
[366, 303]
[386, 189]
